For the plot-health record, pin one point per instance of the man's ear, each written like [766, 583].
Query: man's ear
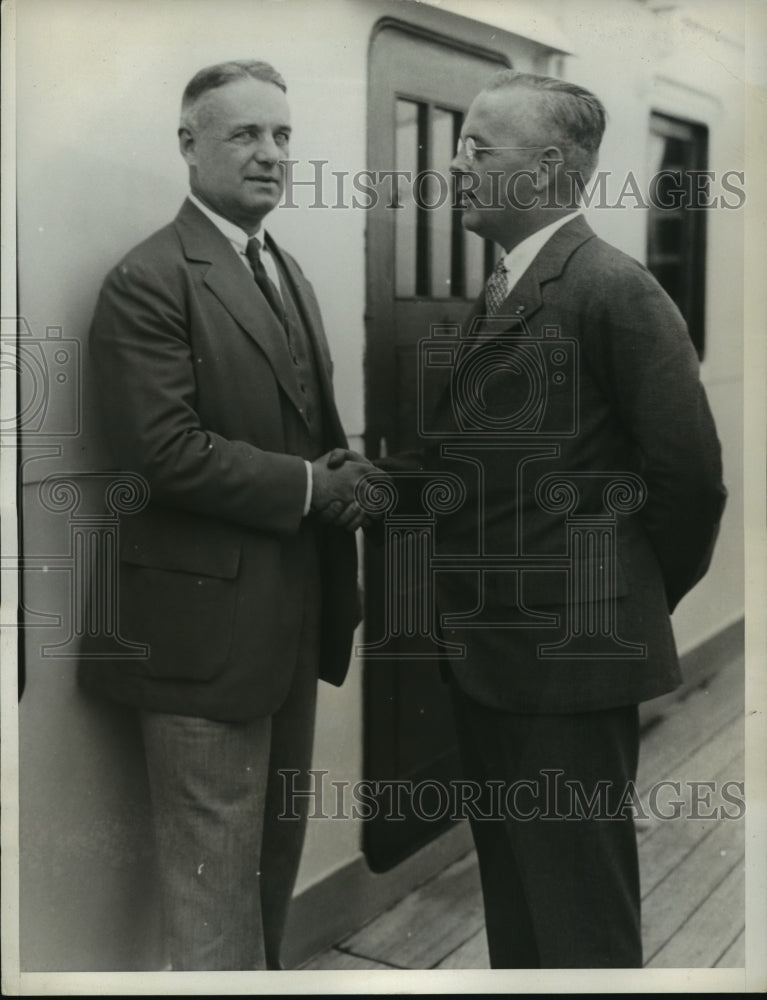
[186, 144]
[550, 163]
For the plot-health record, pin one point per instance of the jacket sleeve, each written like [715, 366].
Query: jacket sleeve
[144, 376]
[638, 344]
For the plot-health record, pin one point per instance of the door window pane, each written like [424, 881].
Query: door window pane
[434, 256]
[407, 144]
[441, 216]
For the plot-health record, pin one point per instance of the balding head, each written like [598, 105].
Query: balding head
[569, 116]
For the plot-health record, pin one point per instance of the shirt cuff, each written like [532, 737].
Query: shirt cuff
[309, 483]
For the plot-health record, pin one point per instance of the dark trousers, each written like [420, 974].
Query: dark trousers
[559, 869]
[226, 859]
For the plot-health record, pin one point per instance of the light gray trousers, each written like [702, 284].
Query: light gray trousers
[226, 859]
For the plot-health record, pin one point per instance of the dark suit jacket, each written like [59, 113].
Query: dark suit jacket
[199, 395]
[622, 395]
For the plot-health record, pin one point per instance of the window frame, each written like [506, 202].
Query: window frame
[689, 257]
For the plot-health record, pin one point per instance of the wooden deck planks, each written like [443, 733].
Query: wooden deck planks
[428, 924]
[700, 940]
[692, 723]
[735, 955]
[692, 869]
[472, 954]
[667, 842]
[686, 888]
[339, 960]
[683, 861]
[720, 748]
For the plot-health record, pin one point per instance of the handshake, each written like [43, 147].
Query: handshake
[334, 478]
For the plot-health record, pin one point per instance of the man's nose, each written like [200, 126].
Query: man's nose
[461, 164]
[267, 150]
[461, 174]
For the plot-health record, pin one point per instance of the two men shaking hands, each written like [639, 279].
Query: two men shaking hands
[240, 577]
[334, 483]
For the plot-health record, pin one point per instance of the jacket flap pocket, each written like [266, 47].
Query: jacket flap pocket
[590, 580]
[180, 542]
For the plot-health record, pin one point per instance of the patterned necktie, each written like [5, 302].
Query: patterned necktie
[263, 280]
[496, 289]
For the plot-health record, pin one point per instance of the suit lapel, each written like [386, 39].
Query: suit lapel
[525, 298]
[230, 282]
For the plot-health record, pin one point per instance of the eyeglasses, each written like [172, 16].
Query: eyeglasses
[469, 148]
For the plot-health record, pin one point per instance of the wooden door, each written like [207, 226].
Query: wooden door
[422, 268]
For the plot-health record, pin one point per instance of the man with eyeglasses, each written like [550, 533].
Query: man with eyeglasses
[239, 578]
[577, 421]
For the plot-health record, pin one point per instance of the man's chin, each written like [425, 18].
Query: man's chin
[471, 220]
[256, 208]
[265, 202]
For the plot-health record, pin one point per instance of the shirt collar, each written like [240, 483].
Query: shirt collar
[519, 258]
[236, 236]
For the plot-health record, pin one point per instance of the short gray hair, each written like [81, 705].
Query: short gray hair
[576, 116]
[216, 76]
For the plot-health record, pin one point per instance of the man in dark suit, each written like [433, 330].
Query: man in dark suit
[575, 418]
[214, 382]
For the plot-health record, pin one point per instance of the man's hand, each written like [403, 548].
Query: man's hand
[338, 456]
[334, 477]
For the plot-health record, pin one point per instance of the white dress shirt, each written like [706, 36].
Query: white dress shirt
[239, 240]
[520, 257]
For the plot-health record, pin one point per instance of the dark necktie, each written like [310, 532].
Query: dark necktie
[496, 288]
[263, 280]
